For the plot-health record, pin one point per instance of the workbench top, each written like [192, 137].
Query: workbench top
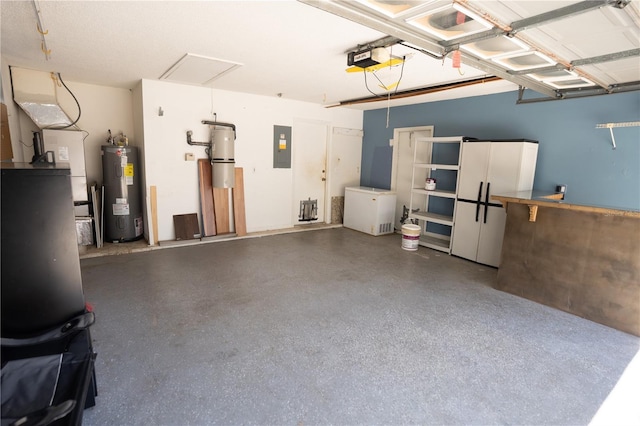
[546, 199]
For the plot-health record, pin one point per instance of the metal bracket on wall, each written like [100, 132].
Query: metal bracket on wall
[610, 126]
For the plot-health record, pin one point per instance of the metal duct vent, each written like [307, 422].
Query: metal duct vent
[197, 69]
[35, 92]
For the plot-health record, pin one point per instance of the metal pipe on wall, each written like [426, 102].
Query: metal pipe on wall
[220, 151]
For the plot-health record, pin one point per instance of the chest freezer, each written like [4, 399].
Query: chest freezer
[369, 210]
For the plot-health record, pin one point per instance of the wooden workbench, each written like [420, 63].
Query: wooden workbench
[582, 259]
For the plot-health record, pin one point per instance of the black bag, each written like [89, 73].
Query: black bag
[49, 379]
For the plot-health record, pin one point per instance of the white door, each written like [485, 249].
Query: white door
[345, 155]
[402, 164]
[309, 158]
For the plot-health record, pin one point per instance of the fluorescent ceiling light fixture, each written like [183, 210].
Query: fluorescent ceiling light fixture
[198, 69]
[524, 61]
[392, 8]
[450, 22]
[497, 46]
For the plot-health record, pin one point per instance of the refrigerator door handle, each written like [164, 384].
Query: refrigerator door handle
[486, 202]
[478, 202]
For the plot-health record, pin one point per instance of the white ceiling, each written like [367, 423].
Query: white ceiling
[285, 47]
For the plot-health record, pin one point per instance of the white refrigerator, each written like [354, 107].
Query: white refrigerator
[369, 210]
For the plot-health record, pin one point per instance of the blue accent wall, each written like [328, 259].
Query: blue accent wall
[571, 151]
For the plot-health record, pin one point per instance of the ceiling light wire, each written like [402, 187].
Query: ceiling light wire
[367, 86]
[401, 74]
[384, 86]
[388, 107]
[212, 113]
[389, 92]
[380, 81]
[77, 103]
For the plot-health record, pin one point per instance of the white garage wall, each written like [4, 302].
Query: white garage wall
[103, 108]
[268, 191]
[162, 141]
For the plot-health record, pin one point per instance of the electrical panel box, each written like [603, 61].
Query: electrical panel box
[281, 147]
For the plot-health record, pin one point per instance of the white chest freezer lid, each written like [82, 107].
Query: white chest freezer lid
[370, 190]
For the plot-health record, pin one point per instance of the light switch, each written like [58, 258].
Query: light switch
[189, 156]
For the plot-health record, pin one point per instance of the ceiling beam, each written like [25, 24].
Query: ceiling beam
[418, 92]
[582, 92]
[472, 38]
[606, 58]
[538, 70]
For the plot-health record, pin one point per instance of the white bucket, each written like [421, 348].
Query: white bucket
[410, 237]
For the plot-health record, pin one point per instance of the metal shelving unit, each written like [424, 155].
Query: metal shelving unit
[434, 210]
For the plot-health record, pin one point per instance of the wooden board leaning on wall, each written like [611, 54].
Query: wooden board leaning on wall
[6, 151]
[214, 203]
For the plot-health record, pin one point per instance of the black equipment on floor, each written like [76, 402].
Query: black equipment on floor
[48, 374]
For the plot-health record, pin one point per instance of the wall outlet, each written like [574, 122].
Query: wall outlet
[189, 156]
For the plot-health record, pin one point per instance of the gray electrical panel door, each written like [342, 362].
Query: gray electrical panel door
[281, 147]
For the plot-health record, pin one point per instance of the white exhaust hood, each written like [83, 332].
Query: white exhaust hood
[36, 93]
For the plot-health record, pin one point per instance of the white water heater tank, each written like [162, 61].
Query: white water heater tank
[223, 162]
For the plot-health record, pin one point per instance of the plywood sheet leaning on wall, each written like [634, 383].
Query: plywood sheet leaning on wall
[154, 214]
[7, 150]
[239, 216]
[221, 210]
[96, 203]
[186, 226]
[206, 198]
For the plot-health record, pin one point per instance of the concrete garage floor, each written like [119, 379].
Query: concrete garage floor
[334, 327]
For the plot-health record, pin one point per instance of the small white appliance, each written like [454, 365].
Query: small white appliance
[68, 147]
[369, 210]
